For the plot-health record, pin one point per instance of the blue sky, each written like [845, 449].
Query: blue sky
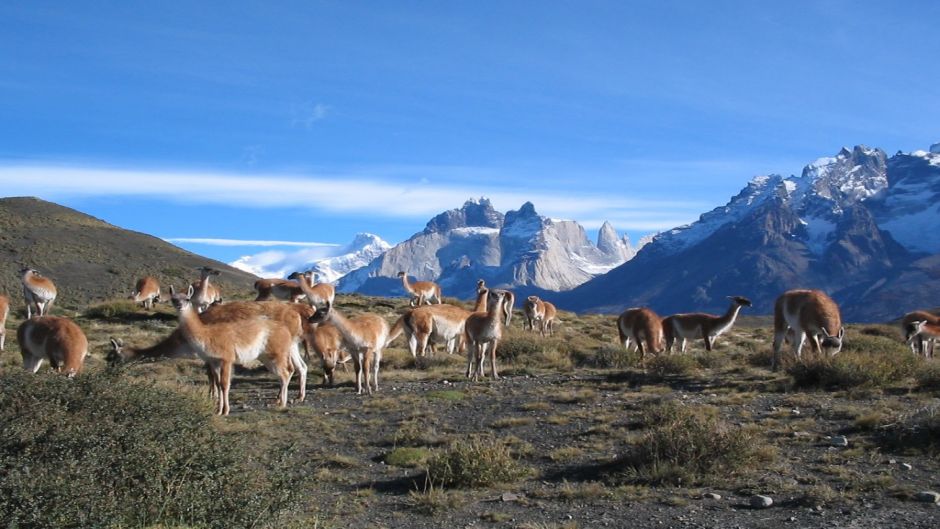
[310, 121]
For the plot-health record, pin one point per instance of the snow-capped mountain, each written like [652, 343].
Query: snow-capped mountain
[850, 224]
[331, 263]
[518, 249]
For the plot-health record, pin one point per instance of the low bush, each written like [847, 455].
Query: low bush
[475, 462]
[536, 352]
[664, 364]
[686, 445]
[99, 450]
[919, 430]
[851, 370]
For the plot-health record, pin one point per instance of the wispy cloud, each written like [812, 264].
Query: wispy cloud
[357, 192]
[240, 242]
[306, 114]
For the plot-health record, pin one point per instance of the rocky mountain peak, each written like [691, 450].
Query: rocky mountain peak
[935, 148]
[612, 246]
[477, 213]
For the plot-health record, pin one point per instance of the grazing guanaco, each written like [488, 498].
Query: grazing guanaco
[926, 331]
[364, 337]
[507, 305]
[808, 314]
[39, 292]
[146, 291]
[317, 293]
[58, 340]
[422, 292]
[430, 324]
[699, 325]
[482, 333]
[326, 340]
[204, 293]
[293, 316]
[224, 344]
[540, 312]
[4, 312]
[280, 289]
[641, 325]
[917, 342]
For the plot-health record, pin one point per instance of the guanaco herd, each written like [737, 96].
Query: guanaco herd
[268, 331]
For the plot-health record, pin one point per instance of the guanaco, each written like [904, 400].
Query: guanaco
[146, 292]
[421, 291]
[699, 325]
[38, 291]
[808, 314]
[58, 340]
[641, 325]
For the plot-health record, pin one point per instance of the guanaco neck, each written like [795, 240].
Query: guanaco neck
[407, 285]
[728, 317]
[190, 324]
[481, 301]
[342, 324]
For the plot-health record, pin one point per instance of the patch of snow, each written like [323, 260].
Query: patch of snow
[330, 263]
[917, 230]
[819, 231]
[474, 230]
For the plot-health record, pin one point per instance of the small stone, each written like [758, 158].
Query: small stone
[794, 411]
[840, 440]
[927, 496]
[445, 382]
[892, 461]
[907, 466]
[761, 502]
[791, 519]
[509, 496]
[711, 496]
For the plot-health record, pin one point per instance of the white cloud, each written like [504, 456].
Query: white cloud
[240, 242]
[306, 114]
[359, 192]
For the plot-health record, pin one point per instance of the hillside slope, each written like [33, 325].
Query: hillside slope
[89, 259]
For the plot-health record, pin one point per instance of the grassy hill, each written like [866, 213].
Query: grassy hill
[90, 260]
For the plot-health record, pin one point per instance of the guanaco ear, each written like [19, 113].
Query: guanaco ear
[172, 291]
[190, 292]
[114, 343]
[841, 332]
[825, 332]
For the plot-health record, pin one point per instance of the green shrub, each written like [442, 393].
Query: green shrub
[613, 356]
[850, 370]
[665, 364]
[687, 445]
[928, 376]
[536, 352]
[100, 451]
[407, 456]
[111, 310]
[919, 430]
[475, 462]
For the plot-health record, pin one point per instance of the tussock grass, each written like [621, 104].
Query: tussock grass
[850, 370]
[475, 462]
[687, 445]
[919, 430]
[408, 457]
[99, 450]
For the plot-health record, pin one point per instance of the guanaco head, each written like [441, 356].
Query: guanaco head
[117, 354]
[740, 300]
[321, 314]
[30, 271]
[831, 345]
[181, 301]
[480, 285]
[296, 275]
[912, 330]
[205, 271]
[401, 274]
